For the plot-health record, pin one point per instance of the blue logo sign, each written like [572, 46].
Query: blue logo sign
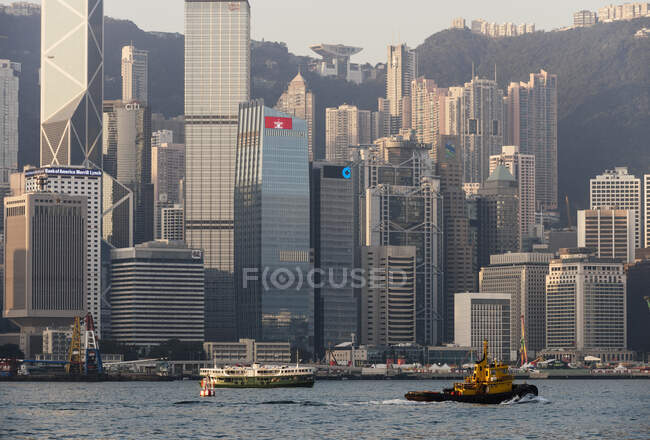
[347, 173]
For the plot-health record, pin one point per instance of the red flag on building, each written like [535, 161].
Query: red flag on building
[277, 122]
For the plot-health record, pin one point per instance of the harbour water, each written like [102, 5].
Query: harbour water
[565, 409]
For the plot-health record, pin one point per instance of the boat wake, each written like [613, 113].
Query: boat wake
[528, 398]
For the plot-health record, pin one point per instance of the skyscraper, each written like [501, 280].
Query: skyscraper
[460, 265]
[172, 223]
[89, 183]
[167, 176]
[332, 239]
[618, 189]
[522, 167]
[646, 208]
[477, 113]
[401, 70]
[217, 80]
[72, 75]
[135, 75]
[300, 102]
[498, 215]
[346, 126]
[9, 83]
[426, 102]
[523, 276]
[42, 228]
[609, 233]
[127, 158]
[272, 228]
[585, 302]
[531, 115]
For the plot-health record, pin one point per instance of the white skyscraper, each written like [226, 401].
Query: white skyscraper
[522, 167]
[646, 209]
[9, 73]
[607, 232]
[400, 73]
[135, 74]
[217, 80]
[346, 126]
[617, 189]
[72, 75]
[79, 181]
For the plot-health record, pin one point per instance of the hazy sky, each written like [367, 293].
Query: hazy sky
[371, 24]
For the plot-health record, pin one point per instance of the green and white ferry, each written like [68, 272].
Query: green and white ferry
[256, 376]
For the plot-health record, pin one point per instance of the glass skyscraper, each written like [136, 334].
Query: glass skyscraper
[275, 300]
[72, 75]
[217, 80]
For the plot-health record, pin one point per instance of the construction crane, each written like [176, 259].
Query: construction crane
[568, 212]
[93, 364]
[522, 350]
[74, 352]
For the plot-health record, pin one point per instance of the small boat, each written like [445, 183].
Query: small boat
[256, 376]
[489, 384]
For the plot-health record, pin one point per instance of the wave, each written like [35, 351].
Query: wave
[528, 398]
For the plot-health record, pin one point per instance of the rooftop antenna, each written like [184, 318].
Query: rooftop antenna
[473, 70]
[495, 72]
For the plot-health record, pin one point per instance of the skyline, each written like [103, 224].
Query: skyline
[275, 21]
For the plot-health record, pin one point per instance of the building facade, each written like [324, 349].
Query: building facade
[483, 316]
[43, 228]
[388, 297]
[78, 181]
[531, 124]
[586, 302]
[523, 276]
[300, 102]
[608, 232]
[72, 75]
[401, 70]
[272, 228]
[167, 176]
[248, 351]
[172, 223]
[135, 75]
[646, 209]
[346, 126]
[332, 239]
[522, 167]
[127, 158]
[618, 189]
[584, 18]
[157, 294]
[218, 31]
[638, 306]
[9, 84]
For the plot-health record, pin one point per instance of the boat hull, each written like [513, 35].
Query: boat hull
[258, 382]
[447, 396]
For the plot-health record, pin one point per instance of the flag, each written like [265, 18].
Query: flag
[277, 122]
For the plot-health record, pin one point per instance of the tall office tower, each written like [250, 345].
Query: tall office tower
[172, 223]
[157, 294]
[332, 239]
[646, 209]
[300, 102]
[460, 266]
[427, 100]
[450, 115]
[400, 205]
[72, 75]
[346, 126]
[477, 111]
[617, 189]
[383, 124]
[160, 137]
[523, 276]
[217, 80]
[388, 314]
[127, 158]
[9, 82]
[401, 70]
[43, 228]
[167, 176]
[498, 215]
[522, 167]
[609, 233]
[585, 303]
[531, 120]
[272, 228]
[135, 75]
[83, 182]
[638, 307]
[481, 316]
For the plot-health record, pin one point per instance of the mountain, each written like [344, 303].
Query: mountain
[603, 73]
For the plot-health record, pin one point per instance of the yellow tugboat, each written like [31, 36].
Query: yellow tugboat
[490, 383]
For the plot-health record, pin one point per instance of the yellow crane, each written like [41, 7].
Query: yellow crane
[523, 355]
[75, 363]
